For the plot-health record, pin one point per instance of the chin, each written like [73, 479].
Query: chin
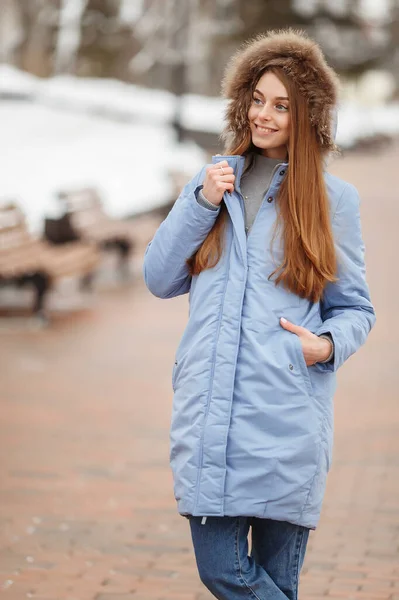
[263, 145]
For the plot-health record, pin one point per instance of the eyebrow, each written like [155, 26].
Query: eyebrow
[277, 97]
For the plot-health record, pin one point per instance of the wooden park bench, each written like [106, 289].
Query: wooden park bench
[26, 260]
[90, 222]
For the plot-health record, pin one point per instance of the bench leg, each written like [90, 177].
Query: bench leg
[86, 282]
[124, 248]
[41, 284]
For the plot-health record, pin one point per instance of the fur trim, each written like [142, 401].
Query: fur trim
[301, 59]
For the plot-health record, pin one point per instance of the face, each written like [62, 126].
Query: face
[269, 117]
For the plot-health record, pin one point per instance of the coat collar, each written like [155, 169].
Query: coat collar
[237, 162]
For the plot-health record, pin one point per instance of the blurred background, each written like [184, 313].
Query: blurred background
[107, 108]
[119, 99]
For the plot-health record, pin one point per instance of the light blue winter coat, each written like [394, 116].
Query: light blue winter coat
[252, 425]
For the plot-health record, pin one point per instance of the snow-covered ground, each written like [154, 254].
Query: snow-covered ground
[59, 138]
[45, 149]
[70, 132]
[113, 99]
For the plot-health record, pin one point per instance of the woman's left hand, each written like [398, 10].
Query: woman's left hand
[314, 348]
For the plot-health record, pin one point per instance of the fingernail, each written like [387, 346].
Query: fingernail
[283, 320]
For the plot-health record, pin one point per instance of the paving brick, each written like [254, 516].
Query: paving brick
[113, 596]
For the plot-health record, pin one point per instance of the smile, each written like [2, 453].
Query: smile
[265, 130]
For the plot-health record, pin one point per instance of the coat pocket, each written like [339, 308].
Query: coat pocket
[302, 364]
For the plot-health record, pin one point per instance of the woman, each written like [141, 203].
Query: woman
[268, 246]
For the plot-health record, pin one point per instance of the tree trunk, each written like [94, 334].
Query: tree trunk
[39, 26]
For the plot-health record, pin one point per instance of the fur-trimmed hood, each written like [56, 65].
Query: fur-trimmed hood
[302, 60]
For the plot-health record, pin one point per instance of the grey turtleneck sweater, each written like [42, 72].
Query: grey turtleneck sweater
[255, 181]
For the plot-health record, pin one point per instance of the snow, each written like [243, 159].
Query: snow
[49, 150]
[114, 98]
[355, 124]
[201, 113]
[108, 97]
[17, 83]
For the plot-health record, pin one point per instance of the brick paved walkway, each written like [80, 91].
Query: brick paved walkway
[86, 504]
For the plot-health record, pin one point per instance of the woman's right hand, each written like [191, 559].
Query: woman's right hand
[218, 180]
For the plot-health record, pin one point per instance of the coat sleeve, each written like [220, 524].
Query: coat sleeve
[346, 309]
[177, 239]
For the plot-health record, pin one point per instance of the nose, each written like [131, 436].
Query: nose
[265, 112]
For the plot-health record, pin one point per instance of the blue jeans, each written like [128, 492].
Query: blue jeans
[271, 572]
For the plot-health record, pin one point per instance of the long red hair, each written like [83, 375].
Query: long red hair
[303, 220]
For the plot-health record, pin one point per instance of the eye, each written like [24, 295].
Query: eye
[257, 101]
[281, 107]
